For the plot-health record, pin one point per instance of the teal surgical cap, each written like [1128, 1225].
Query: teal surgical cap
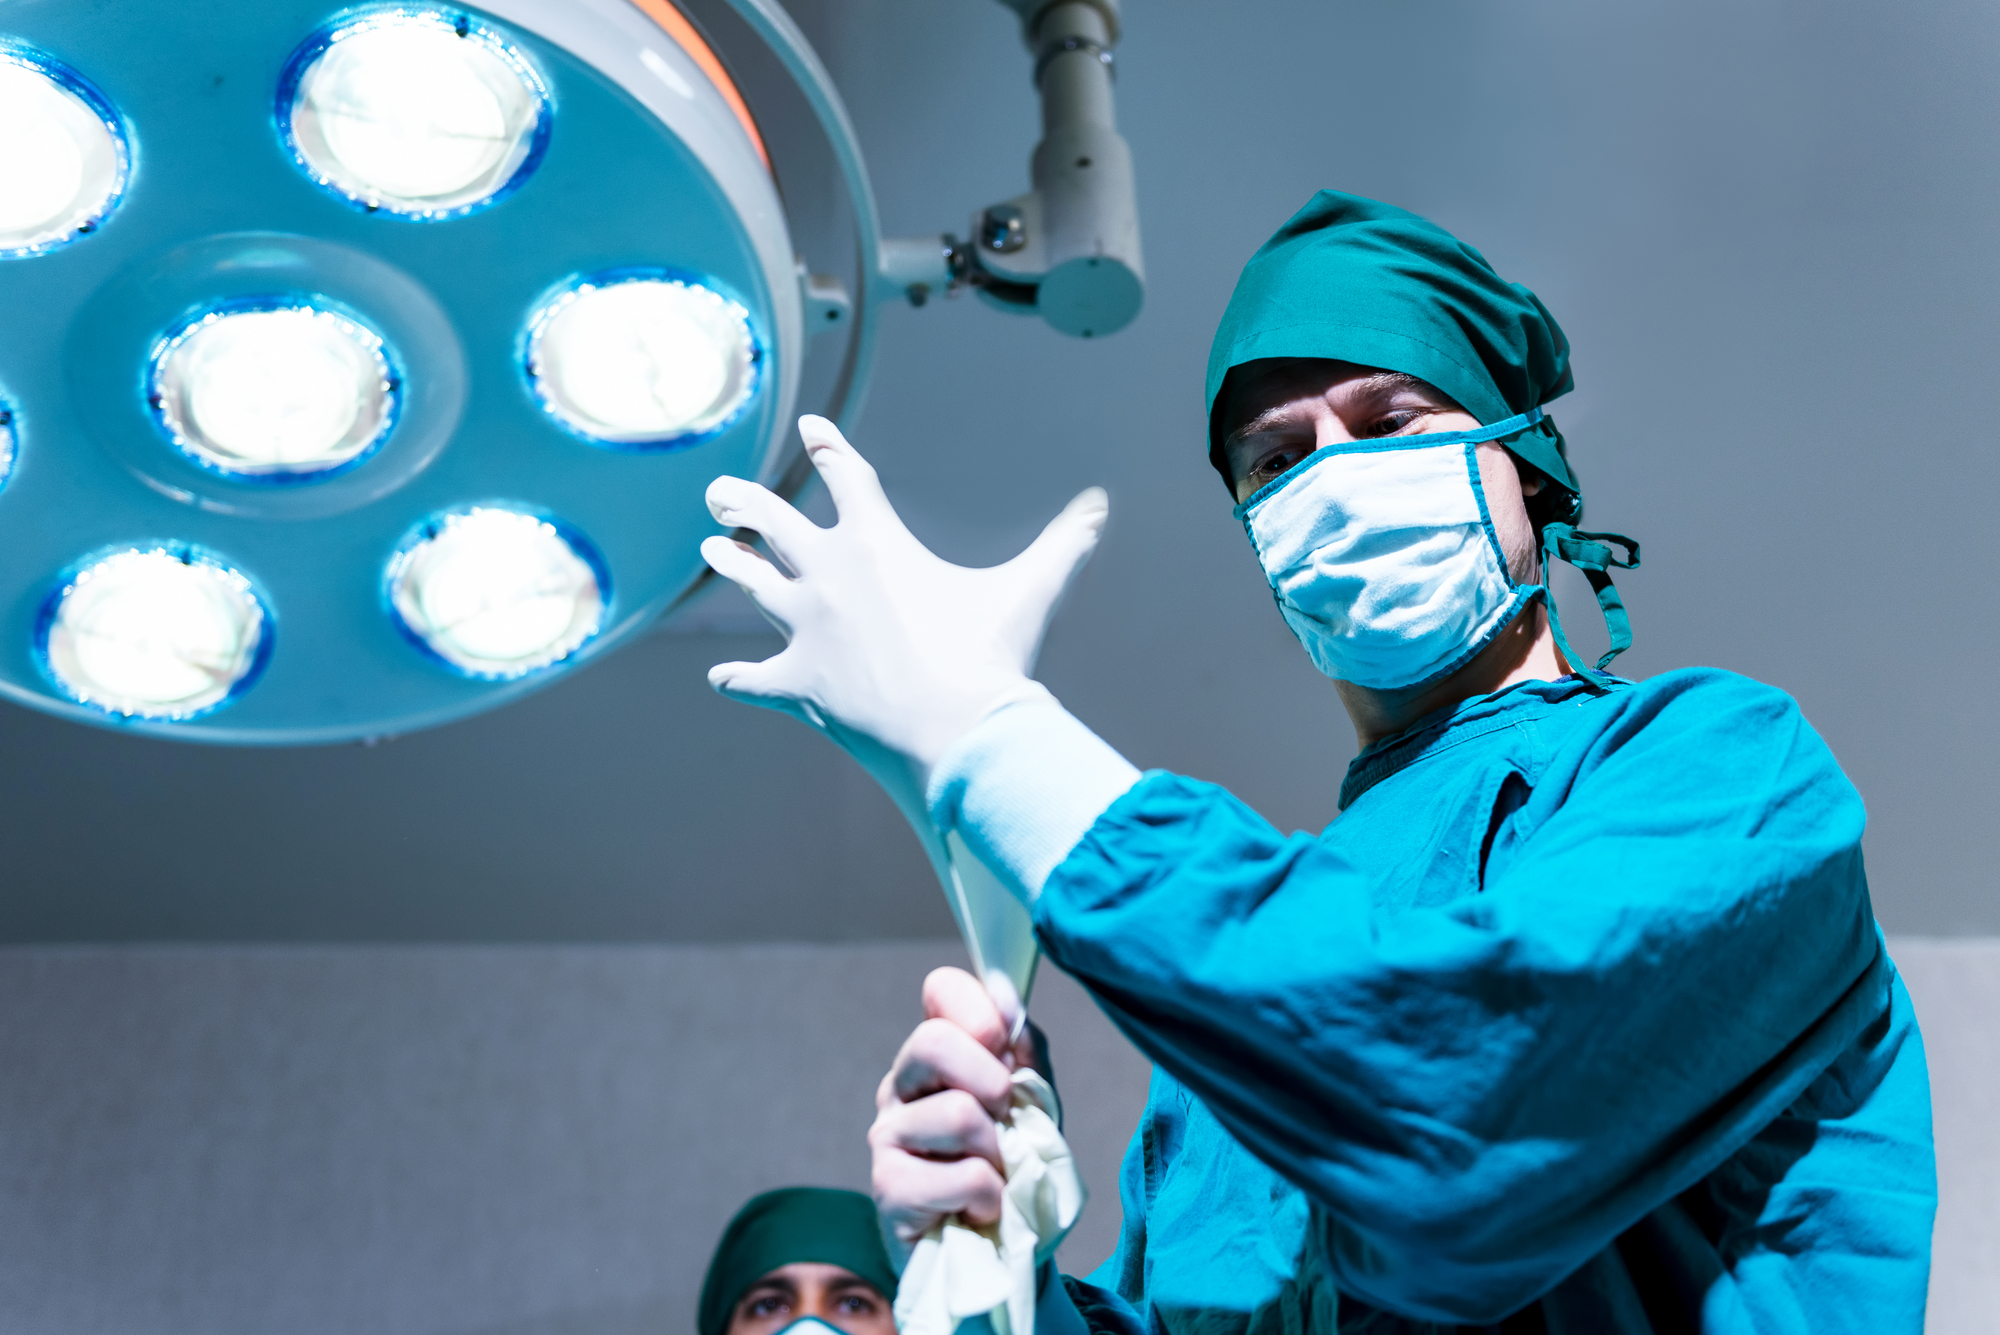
[786, 1226]
[1358, 281]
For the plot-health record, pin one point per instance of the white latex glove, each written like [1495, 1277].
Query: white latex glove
[891, 652]
[959, 1271]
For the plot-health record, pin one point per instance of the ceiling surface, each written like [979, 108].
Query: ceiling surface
[1768, 229]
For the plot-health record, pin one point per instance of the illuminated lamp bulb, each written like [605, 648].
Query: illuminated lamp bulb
[155, 634]
[61, 164]
[496, 593]
[277, 394]
[280, 394]
[642, 361]
[416, 113]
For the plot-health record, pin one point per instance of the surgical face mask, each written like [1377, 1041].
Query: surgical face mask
[1383, 556]
[811, 1325]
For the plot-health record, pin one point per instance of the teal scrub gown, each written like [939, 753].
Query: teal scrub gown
[1576, 1020]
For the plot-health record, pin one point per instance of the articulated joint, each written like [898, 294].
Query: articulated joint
[1063, 46]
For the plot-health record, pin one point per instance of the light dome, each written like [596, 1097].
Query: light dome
[154, 634]
[62, 157]
[281, 392]
[497, 593]
[419, 112]
[647, 359]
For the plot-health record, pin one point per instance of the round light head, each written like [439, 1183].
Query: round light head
[415, 111]
[274, 392]
[497, 593]
[643, 360]
[155, 634]
[62, 155]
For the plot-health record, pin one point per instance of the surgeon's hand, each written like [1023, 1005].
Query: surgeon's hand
[935, 1146]
[892, 652]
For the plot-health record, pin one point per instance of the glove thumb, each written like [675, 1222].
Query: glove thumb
[766, 684]
[1035, 579]
[1045, 569]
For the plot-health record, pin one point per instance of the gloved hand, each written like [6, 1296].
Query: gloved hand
[973, 1180]
[962, 1270]
[891, 652]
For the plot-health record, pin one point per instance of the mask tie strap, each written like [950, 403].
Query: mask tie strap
[1592, 554]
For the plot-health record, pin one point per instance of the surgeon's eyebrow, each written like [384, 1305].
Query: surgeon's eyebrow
[1387, 383]
[779, 1287]
[1380, 385]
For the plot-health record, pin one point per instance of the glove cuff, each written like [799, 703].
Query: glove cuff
[1023, 786]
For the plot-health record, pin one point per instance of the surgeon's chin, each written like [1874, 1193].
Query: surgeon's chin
[1524, 651]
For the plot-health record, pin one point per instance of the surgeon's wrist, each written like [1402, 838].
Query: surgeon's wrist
[1023, 786]
[948, 731]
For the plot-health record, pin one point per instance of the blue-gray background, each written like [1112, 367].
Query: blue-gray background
[1769, 228]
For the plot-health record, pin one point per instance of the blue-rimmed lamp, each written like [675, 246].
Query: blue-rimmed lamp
[364, 368]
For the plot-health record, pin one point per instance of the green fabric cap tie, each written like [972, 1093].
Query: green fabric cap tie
[789, 1225]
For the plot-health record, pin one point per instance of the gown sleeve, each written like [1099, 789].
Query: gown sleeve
[1673, 940]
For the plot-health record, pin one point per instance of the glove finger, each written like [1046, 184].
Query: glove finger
[774, 593]
[1045, 569]
[850, 479]
[914, 1191]
[955, 995]
[1027, 588]
[950, 1124]
[764, 685]
[742, 504]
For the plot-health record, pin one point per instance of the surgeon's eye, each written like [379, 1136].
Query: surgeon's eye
[769, 1305]
[1279, 461]
[854, 1304]
[1394, 423]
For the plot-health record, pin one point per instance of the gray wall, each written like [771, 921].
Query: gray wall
[451, 1140]
[534, 1140]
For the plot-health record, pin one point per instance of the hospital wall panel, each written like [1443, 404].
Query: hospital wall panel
[525, 1140]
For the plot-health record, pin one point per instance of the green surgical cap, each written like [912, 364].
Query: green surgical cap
[793, 1224]
[1357, 281]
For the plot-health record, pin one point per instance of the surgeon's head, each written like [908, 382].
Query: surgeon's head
[1349, 280]
[795, 1254]
[1376, 404]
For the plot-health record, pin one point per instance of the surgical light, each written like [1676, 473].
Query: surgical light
[156, 634]
[62, 156]
[643, 359]
[417, 112]
[287, 393]
[438, 321]
[497, 593]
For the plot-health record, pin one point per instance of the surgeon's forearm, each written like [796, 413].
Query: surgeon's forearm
[1024, 786]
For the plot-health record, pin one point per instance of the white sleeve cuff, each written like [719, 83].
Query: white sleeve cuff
[1023, 786]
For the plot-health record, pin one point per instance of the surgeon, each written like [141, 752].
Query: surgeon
[800, 1254]
[1576, 1019]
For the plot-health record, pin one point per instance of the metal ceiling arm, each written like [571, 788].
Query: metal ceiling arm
[1068, 250]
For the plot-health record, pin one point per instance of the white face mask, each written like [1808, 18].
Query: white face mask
[1383, 556]
[811, 1325]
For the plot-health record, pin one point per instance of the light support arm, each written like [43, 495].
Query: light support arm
[1068, 250]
